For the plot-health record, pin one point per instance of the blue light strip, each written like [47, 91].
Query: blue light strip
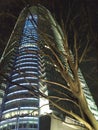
[20, 99]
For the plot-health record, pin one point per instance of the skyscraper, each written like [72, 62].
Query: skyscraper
[19, 99]
[24, 67]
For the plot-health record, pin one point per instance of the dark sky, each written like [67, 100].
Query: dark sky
[9, 12]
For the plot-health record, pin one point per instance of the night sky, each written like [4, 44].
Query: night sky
[9, 12]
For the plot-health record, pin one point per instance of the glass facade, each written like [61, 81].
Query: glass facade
[91, 103]
[20, 110]
[20, 101]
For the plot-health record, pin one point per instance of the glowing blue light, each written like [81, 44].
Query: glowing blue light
[35, 84]
[21, 108]
[16, 92]
[24, 63]
[27, 55]
[24, 78]
[27, 67]
[20, 99]
[25, 59]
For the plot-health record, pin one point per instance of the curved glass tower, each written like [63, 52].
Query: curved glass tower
[20, 109]
[25, 64]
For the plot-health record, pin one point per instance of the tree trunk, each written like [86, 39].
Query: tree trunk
[87, 111]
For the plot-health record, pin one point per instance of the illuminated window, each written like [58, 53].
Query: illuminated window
[27, 55]
[26, 63]
[16, 92]
[25, 59]
[27, 67]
